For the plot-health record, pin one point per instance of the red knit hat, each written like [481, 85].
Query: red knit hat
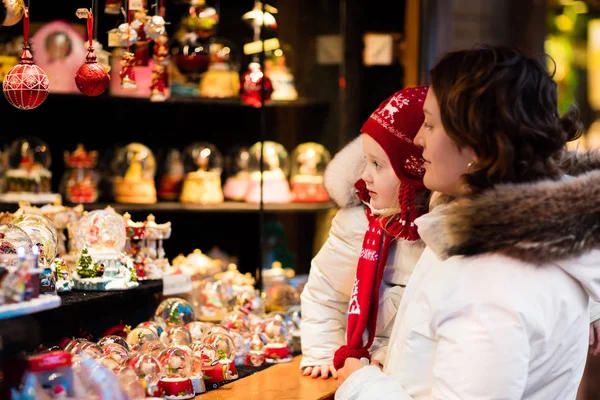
[393, 126]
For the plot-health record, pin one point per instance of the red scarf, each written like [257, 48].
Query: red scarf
[364, 300]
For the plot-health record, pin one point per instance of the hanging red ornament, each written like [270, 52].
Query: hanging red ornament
[91, 78]
[26, 85]
[251, 86]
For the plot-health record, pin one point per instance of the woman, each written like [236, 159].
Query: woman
[498, 304]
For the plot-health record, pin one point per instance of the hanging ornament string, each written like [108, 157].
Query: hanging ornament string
[128, 27]
[90, 28]
[162, 8]
[94, 11]
[26, 26]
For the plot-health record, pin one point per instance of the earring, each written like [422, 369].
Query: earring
[469, 165]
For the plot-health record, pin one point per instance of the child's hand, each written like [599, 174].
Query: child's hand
[322, 370]
[595, 337]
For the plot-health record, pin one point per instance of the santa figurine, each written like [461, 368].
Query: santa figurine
[127, 73]
[157, 87]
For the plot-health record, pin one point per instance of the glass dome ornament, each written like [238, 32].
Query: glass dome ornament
[147, 368]
[222, 79]
[174, 311]
[12, 238]
[251, 86]
[42, 233]
[278, 345]
[137, 337]
[238, 176]
[176, 336]
[276, 165]
[276, 68]
[309, 161]
[134, 168]
[110, 339]
[223, 344]
[202, 184]
[80, 180]
[176, 372]
[100, 238]
[28, 177]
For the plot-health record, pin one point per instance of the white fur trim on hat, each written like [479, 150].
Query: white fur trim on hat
[343, 171]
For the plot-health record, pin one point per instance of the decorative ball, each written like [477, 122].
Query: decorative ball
[26, 86]
[155, 28]
[91, 78]
[15, 9]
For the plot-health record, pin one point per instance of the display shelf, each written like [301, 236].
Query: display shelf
[77, 298]
[41, 303]
[179, 99]
[228, 206]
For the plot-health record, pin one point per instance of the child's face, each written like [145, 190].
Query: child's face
[379, 175]
[445, 163]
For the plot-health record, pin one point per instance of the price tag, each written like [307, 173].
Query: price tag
[82, 13]
[177, 284]
[113, 38]
[136, 4]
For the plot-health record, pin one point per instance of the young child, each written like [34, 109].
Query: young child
[360, 272]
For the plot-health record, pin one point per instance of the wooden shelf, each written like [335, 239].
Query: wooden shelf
[179, 99]
[227, 207]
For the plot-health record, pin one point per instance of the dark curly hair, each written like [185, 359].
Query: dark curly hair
[503, 104]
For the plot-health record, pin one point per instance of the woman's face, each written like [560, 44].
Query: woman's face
[445, 163]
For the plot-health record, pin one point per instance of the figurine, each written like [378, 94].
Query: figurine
[127, 73]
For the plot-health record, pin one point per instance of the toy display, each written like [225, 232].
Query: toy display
[145, 246]
[80, 182]
[172, 177]
[238, 180]
[222, 79]
[309, 161]
[275, 187]
[134, 167]
[204, 165]
[28, 177]
[100, 238]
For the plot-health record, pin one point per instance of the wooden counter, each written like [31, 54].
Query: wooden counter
[281, 381]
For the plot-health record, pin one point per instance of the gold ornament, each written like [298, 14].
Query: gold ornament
[15, 9]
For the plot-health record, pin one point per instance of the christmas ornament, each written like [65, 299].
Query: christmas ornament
[155, 28]
[251, 87]
[157, 86]
[14, 11]
[127, 72]
[91, 78]
[26, 85]
[127, 35]
[142, 52]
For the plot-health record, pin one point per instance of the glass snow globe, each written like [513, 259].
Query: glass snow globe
[43, 234]
[204, 164]
[176, 371]
[238, 177]
[309, 161]
[276, 164]
[222, 79]
[174, 311]
[134, 167]
[80, 180]
[100, 238]
[28, 177]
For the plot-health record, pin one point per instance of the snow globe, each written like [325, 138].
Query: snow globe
[138, 337]
[222, 79]
[224, 368]
[238, 177]
[174, 311]
[28, 177]
[148, 370]
[171, 179]
[80, 181]
[134, 167]
[278, 345]
[309, 161]
[212, 304]
[257, 344]
[275, 187]
[42, 233]
[202, 184]
[99, 241]
[176, 370]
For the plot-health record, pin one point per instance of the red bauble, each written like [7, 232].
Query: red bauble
[251, 86]
[26, 85]
[91, 78]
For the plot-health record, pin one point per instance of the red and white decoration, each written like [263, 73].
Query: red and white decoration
[92, 78]
[26, 85]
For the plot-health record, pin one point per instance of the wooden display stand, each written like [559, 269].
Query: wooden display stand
[281, 381]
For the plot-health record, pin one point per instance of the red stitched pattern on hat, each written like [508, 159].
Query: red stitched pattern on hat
[414, 166]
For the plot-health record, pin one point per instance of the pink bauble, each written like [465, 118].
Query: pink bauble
[91, 78]
[26, 86]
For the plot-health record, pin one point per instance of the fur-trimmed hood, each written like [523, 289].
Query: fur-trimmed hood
[538, 223]
[342, 172]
